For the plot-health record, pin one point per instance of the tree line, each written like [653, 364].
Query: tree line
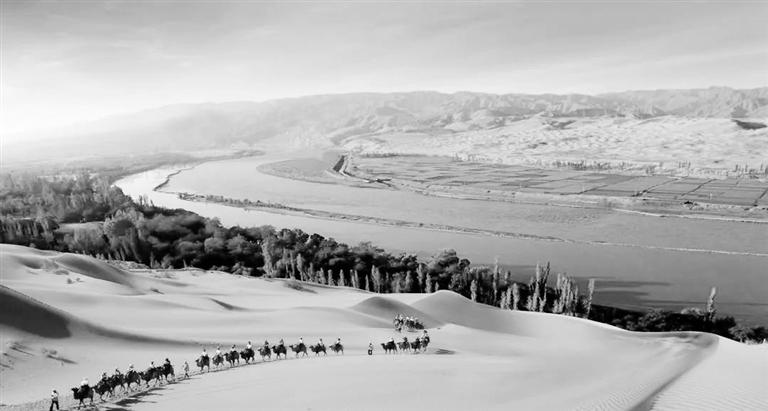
[84, 213]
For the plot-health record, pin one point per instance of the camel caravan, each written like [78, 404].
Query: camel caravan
[248, 354]
[132, 380]
[408, 323]
[108, 384]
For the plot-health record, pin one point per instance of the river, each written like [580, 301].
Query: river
[638, 261]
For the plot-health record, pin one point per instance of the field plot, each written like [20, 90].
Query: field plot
[442, 173]
[630, 186]
[729, 191]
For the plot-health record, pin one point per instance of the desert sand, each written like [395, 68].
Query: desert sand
[706, 147]
[64, 317]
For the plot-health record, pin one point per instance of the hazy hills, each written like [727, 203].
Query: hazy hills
[323, 120]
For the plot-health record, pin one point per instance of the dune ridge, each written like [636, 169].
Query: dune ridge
[480, 358]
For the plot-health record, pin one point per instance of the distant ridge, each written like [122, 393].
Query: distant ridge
[324, 118]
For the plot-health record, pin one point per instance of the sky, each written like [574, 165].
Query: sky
[65, 62]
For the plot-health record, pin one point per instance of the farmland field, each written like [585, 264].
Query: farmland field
[441, 173]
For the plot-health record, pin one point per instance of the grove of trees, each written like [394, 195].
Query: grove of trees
[84, 213]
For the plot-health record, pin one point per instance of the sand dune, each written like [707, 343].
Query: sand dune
[63, 317]
[712, 146]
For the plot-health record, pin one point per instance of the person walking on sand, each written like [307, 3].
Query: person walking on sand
[186, 369]
[54, 400]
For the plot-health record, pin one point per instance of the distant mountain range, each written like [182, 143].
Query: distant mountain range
[330, 117]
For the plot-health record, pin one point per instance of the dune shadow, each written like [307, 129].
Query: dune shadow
[21, 312]
[228, 307]
[53, 355]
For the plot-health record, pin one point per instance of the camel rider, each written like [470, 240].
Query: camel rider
[266, 344]
[370, 348]
[301, 341]
[104, 377]
[233, 348]
[218, 351]
[84, 383]
[249, 347]
[117, 372]
[167, 362]
[151, 364]
[392, 340]
[320, 343]
[204, 354]
[338, 341]
[130, 369]
[281, 343]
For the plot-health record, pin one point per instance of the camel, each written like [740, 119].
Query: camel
[203, 361]
[81, 393]
[337, 348]
[132, 377]
[389, 346]
[317, 349]
[166, 370]
[117, 380]
[103, 387]
[248, 355]
[299, 349]
[232, 357]
[152, 373]
[279, 349]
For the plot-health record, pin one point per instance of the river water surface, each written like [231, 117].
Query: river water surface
[639, 261]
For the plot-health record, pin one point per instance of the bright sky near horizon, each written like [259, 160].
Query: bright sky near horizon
[65, 62]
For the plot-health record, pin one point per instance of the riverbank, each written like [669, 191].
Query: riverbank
[284, 209]
[640, 261]
[341, 169]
